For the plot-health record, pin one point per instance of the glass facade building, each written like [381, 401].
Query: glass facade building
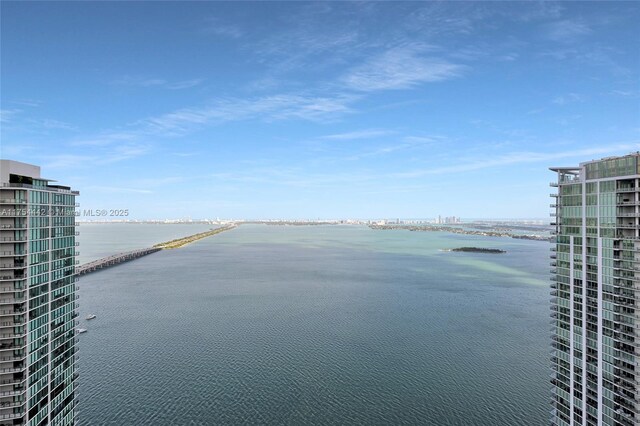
[595, 295]
[38, 246]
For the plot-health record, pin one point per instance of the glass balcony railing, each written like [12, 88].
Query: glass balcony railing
[12, 416]
[13, 201]
[627, 189]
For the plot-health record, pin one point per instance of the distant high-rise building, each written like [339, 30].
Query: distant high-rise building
[37, 298]
[596, 293]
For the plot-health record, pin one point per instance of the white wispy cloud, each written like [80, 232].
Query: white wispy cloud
[157, 82]
[100, 155]
[535, 111]
[383, 150]
[438, 19]
[117, 190]
[402, 144]
[625, 93]
[135, 140]
[535, 11]
[568, 98]
[312, 36]
[566, 30]
[359, 134]
[184, 84]
[164, 180]
[590, 55]
[508, 57]
[64, 161]
[294, 177]
[185, 154]
[13, 151]
[424, 140]
[216, 27]
[124, 152]
[400, 68]
[276, 107]
[28, 102]
[297, 47]
[139, 81]
[57, 124]
[19, 119]
[106, 139]
[568, 120]
[7, 114]
[521, 158]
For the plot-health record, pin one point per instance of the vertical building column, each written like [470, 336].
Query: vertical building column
[600, 345]
[571, 328]
[600, 309]
[49, 307]
[583, 228]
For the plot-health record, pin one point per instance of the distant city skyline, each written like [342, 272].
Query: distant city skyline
[317, 110]
[93, 219]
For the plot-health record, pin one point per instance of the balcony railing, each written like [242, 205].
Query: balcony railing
[12, 381]
[12, 370]
[12, 312]
[12, 336]
[42, 188]
[12, 239]
[14, 392]
[627, 189]
[13, 266]
[12, 278]
[21, 212]
[12, 416]
[12, 346]
[13, 253]
[13, 201]
[12, 324]
[12, 404]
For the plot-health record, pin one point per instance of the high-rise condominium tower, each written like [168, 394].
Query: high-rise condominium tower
[37, 298]
[596, 293]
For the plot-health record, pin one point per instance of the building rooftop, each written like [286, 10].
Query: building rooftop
[608, 167]
[10, 167]
[18, 174]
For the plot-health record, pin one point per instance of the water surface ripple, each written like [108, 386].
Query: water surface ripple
[319, 326]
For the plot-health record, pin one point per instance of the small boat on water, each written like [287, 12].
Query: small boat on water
[90, 316]
[81, 330]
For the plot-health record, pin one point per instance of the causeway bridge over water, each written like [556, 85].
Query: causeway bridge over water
[114, 260]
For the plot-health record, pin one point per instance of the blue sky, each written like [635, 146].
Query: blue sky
[317, 110]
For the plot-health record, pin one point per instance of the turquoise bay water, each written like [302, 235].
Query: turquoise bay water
[318, 325]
